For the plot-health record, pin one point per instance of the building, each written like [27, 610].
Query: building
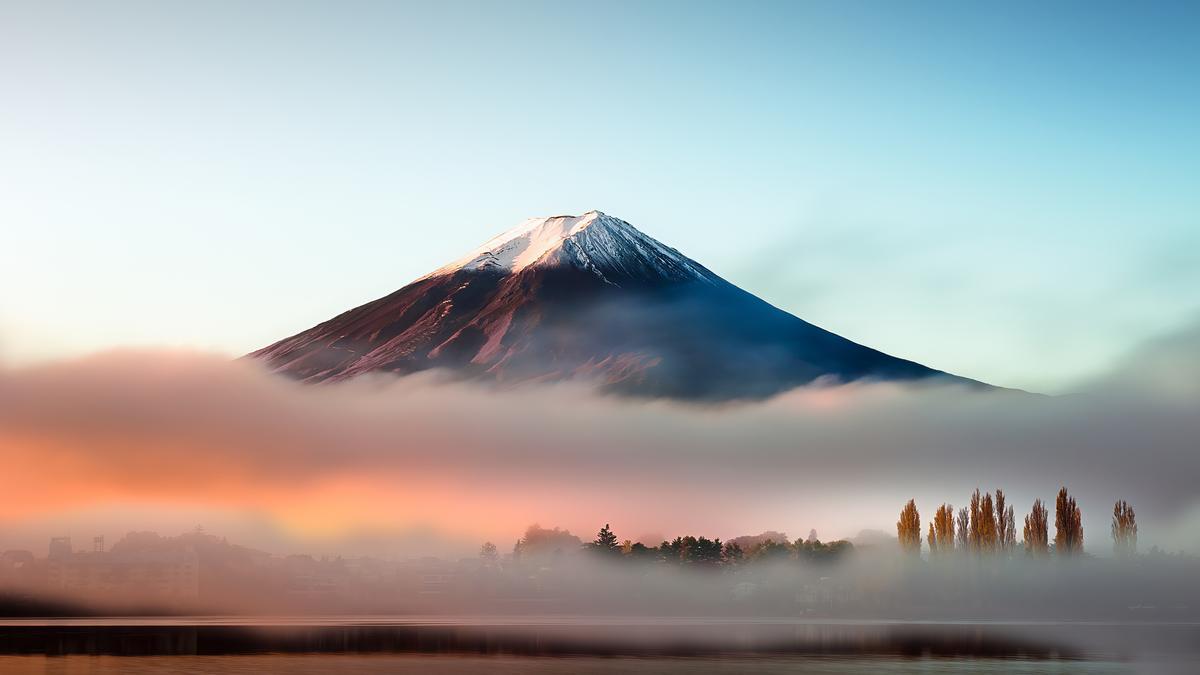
[141, 576]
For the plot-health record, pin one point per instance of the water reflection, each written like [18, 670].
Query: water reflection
[504, 665]
[555, 644]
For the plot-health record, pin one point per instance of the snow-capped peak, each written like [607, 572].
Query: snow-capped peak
[523, 245]
[592, 241]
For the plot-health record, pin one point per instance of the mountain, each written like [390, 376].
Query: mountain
[591, 297]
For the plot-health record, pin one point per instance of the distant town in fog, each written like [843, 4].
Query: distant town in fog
[553, 570]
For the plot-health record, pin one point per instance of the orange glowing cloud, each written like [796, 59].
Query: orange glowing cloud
[167, 429]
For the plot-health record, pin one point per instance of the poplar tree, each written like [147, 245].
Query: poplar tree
[1068, 526]
[908, 528]
[973, 538]
[1008, 540]
[943, 527]
[987, 525]
[1124, 530]
[1036, 531]
[962, 531]
[1002, 522]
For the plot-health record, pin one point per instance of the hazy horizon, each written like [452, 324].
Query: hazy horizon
[205, 440]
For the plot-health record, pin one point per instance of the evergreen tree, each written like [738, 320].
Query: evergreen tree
[769, 550]
[641, 553]
[605, 542]
[704, 552]
[672, 552]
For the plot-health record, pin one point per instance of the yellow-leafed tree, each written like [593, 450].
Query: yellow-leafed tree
[1068, 525]
[988, 538]
[908, 528]
[1037, 531]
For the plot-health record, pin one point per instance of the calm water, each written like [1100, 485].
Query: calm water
[563, 644]
[503, 665]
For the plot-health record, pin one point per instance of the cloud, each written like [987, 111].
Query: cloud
[1165, 368]
[169, 428]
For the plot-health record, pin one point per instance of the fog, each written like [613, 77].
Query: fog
[136, 431]
[871, 600]
[396, 468]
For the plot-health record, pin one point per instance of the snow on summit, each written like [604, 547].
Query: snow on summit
[593, 241]
[523, 245]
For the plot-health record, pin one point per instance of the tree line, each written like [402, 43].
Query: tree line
[692, 551]
[987, 526]
[684, 551]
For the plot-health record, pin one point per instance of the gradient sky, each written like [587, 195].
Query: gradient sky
[1011, 192]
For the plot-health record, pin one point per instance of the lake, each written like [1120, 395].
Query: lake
[570, 644]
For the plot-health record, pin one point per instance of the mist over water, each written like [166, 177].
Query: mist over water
[335, 469]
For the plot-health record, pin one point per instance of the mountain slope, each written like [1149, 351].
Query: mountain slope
[584, 297]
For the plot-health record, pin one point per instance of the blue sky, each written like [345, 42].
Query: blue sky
[1007, 192]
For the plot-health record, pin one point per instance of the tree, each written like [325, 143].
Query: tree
[1008, 537]
[732, 554]
[1036, 531]
[1003, 522]
[941, 531]
[540, 542]
[833, 551]
[672, 551]
[988, 537]
[605, 543]
[488, 555]
[975, 538]
[908, 528]
[1068, 525]
[769, 550]
[1124, 530]
[962, 531]
[815, 552]
[639, 552]
[692, 551]
[704, 552]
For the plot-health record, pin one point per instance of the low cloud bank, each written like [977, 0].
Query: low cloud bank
[146, 428]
